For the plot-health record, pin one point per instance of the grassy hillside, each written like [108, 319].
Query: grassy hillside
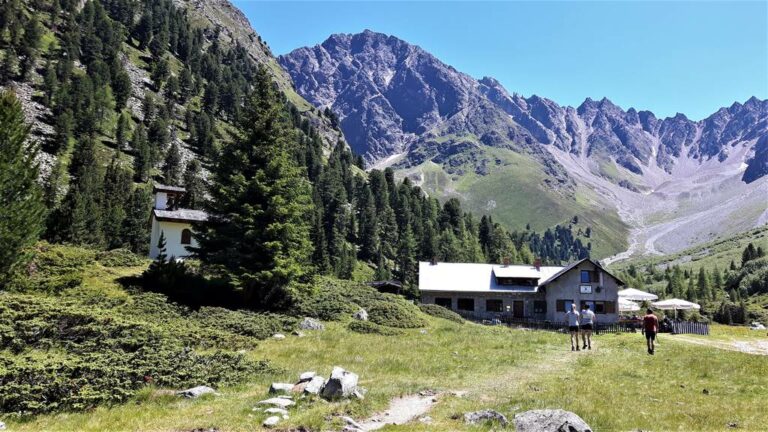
[499, 368]
[718, 253]
[514, 192]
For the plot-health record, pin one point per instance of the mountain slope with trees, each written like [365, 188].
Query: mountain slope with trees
[457, 136]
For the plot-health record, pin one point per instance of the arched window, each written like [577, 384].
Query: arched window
[186, 236]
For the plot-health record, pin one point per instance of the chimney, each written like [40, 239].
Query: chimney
[537, 264]
[506, 261]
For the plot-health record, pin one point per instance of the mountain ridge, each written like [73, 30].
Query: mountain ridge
[401, 106]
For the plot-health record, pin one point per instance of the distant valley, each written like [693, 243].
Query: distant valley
[646, 185]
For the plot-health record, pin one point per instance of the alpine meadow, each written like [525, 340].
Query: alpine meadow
[199, 234]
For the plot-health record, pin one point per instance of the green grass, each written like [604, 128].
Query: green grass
[718, 253]
[614, 387]
[515, 195]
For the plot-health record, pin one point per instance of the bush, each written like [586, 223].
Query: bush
[245, 323]
[120, 258]
[367, 327]
[54, 268]
[393, 314]
[441, 312]
[104, 350]
[335, 300]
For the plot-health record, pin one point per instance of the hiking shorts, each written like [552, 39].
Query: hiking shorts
[573, 329]
[586, 327]
[651, 335]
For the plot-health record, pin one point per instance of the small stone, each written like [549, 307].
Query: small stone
[196, 392]
[315, 385]
[733, 424]
[341, 384]
[311, 324]
[297, 333]
[458, 393]
[271, 421]
[276, 411]
[278, 336]
[478, 417]
[280, 388]
[426, 420]
[550, 419]
[361, 315]
[705, 391]
[422, 331]
[351, 422]
[306, 376]
[278, 402]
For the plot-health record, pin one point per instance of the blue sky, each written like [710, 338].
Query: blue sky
[690, 56]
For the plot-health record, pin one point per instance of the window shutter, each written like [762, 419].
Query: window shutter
[610, 307]
[561, 306]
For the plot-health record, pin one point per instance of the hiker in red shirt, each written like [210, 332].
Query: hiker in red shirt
[650, 328]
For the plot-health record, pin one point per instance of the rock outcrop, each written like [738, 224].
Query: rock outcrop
[549, 420]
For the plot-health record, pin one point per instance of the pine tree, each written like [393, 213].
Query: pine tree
[703, 285]
[259, 225]
[117, 192]
[80, 218]
[172, 166]
[22, 212]
[194, 184]
[122, 131]
[142, 161]
[406, 254]
[135, 233]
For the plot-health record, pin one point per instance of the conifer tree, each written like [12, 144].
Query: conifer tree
[172, 166]
[135, 234]
[142, 157]
[117, 192]
[22, 212]
[260, 207]
[122, 131]
[194, 184]
[80, 218]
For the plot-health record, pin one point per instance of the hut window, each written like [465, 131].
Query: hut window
[494, 305]
[466, 304]
[186, 236]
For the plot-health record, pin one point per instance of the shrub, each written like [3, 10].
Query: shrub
[120, 258]
[394, 314]
[441, 312]
[245, 323]
[367, 327]
[53, 269]
[103, 351]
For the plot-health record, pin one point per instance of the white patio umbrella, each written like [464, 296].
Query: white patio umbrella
[637, 295]
[676, 305]
[628, 305]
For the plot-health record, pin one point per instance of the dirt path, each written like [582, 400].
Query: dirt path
[406, 409]
[755, 347]
[401, 411]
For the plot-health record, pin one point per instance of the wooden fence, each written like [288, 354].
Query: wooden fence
[600, 328]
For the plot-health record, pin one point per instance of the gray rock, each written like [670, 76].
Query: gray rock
[276, 411]
[315, 385]
[311, 324]
[271, 421]
[195, 392]
[307, 376]
[278, 402]
[280, 388]
[361, 315]
[278, 336]
[549, 420]
[297, 333]
[478, 417]
[351, 422]
[341, 384]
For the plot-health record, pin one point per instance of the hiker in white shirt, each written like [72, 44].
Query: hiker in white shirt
[572, 317]
[587, 324]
